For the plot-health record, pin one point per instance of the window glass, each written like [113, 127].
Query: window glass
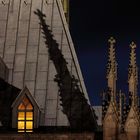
[21, 125]
[29, 107]
[29, 124]
[21, 116]
[29, 115]
[25, 101]
[21, 106]
[25, 116]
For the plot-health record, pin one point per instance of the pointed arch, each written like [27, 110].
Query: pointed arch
[25, 116]
[25, 112]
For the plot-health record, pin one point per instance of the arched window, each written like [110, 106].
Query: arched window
[25, 116]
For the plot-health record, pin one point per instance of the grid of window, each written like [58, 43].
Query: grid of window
[25, 116]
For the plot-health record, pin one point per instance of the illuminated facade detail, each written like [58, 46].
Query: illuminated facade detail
[26, 112]
[131, 125]
[133, 74]
[121, 118]
[25, 116]
[39, 53]
[110, 120]
[112, 69]
[65, 4]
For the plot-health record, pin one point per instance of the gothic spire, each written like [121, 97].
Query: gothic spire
[133, 73]
[132, 65]
[112, 68]
[112, 60]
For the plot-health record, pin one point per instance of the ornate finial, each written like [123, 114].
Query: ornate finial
[112, 41]
[133, 74]
[133, 45]
[133, 55]
[112, 69]
[112, 65]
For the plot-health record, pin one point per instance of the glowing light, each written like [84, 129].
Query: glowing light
[29, 115]
[21, 116]
[21, 125]
[25, 116]
[29, 125]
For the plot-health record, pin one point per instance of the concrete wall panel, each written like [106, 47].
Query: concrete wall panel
[31, 86]
[41, 80]
[52, 90]
[35, 5]
[19, 63]
[43, 63]
[33, 37]
[2, 28]
[23, 28]
[18, 79]
[52, 71]
[2, 40]
[25, 10]
[32, 53]
[30, 72]
[8, 58]
[3, 11]
[11, 40]
[51, 108]
[40, 98]
[42, 46]
[21, 45]
[13, 19]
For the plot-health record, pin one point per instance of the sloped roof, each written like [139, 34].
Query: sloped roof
[8, 94]
[24, 91]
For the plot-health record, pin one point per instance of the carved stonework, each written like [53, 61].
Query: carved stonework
[110, 123]
[121, 117]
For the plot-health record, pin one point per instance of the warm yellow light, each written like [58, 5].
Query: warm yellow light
[25, 116]
[21, 125]
[65, 6]
[29, 107]
[25, 101]
[21, 116]
[29, 130]
[29, 125]
[21, 106]
[29, 115]
[21, 130]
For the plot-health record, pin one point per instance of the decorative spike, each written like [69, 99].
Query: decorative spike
[133, 75]
[112, 41]
[132, 55]
[112, 62]
[112, 69]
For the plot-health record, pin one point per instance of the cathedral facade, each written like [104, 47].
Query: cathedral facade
[121, 115]
[41, 84]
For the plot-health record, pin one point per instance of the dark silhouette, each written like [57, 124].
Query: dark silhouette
[8, 94]
[79, 113]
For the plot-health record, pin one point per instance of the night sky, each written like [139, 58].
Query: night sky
[92, 22]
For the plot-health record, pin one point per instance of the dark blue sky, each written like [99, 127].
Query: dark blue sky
[92, 22]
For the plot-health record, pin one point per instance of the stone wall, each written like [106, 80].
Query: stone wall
[68, 136]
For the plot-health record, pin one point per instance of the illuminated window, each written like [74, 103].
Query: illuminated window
[65, 4]
[25, 116]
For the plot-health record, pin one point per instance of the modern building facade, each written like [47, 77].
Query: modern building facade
[41, 80]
